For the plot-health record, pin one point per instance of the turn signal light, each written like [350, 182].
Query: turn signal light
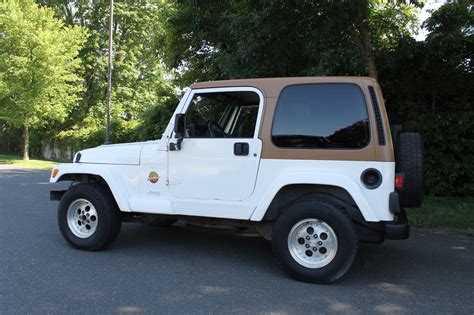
[55, 172]
[399, 181]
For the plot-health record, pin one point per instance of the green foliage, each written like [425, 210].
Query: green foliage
[435, 75]
[449, 152]
[449, 54]
[38, 83]
[238, 39]
[10, 138]
[228, 39]
[390, 23]
[91, 132]
[444, 212]
[137, 74]
[156, 119]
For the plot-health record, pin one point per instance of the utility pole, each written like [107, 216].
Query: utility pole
[109, 70]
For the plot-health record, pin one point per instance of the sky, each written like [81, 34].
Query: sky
[430, 6]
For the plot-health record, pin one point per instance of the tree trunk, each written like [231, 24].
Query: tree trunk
[26, 143]
[367, 50]
[372, 68]
[363, 37]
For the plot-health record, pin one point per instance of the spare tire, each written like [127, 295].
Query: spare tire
[409, 155]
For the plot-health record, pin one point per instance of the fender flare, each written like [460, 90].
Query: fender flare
[115, 184]
[305, 178]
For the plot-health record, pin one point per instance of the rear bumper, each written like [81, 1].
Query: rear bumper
[399, 229]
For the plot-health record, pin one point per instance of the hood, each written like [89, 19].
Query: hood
[124, 154]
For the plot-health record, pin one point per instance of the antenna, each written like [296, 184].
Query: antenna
[109, 70]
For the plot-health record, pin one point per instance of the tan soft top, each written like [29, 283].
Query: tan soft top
[271, 87]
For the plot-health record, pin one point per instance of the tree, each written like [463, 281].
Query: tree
[449, 54]
[232, 39]
[138, 75]
[38, 60]
[434, 75]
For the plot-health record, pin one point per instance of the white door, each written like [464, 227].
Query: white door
[220, 153]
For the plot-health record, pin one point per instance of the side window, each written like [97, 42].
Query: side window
[325, 115]
[245, 122]
[222, 115]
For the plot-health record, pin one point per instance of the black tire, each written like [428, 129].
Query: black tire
[396, 130]
[108, 222]
[409, 155]
[333, 216]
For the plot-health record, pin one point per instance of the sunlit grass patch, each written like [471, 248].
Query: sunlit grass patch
[17, 161]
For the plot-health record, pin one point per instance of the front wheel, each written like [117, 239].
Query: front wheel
[88, 217]
[315, 241]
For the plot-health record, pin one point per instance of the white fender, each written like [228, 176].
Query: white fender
[379, 196]
[114, 175]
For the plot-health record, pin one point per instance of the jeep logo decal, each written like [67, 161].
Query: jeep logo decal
[153, 177]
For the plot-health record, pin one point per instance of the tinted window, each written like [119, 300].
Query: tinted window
[321, 116]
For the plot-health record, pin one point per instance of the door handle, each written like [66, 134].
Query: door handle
[241, 148]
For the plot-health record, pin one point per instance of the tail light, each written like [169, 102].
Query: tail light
[399, 178]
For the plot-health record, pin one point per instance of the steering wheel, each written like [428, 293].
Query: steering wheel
[215, 131]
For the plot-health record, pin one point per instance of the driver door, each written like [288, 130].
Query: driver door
[220, 152]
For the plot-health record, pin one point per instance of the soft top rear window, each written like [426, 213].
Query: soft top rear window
[322, 115]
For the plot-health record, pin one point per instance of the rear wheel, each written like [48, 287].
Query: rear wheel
[88, 217]
[315, 241]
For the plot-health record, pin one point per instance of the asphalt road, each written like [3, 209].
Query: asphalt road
[182, 270]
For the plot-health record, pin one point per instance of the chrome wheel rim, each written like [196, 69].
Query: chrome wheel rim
[82, 218]
[312, 243]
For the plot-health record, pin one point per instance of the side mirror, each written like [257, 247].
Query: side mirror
[180, 125]
[179, 131]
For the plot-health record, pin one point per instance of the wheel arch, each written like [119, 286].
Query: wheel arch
[83, 177]
[335, 187]
[291, 193]
[103, 177]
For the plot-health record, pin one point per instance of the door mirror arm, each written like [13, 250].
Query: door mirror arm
[176, 146]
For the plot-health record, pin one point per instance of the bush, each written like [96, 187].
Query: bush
[156, 119]
[449, 152]
[11, 138]
[121, 131]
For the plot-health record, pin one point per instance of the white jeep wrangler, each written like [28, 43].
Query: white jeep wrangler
[307, 162]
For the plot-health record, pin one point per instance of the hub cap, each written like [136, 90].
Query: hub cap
[312, 243]
[82, 218]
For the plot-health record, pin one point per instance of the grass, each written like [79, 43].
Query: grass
[17, 161]
[444, 212]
